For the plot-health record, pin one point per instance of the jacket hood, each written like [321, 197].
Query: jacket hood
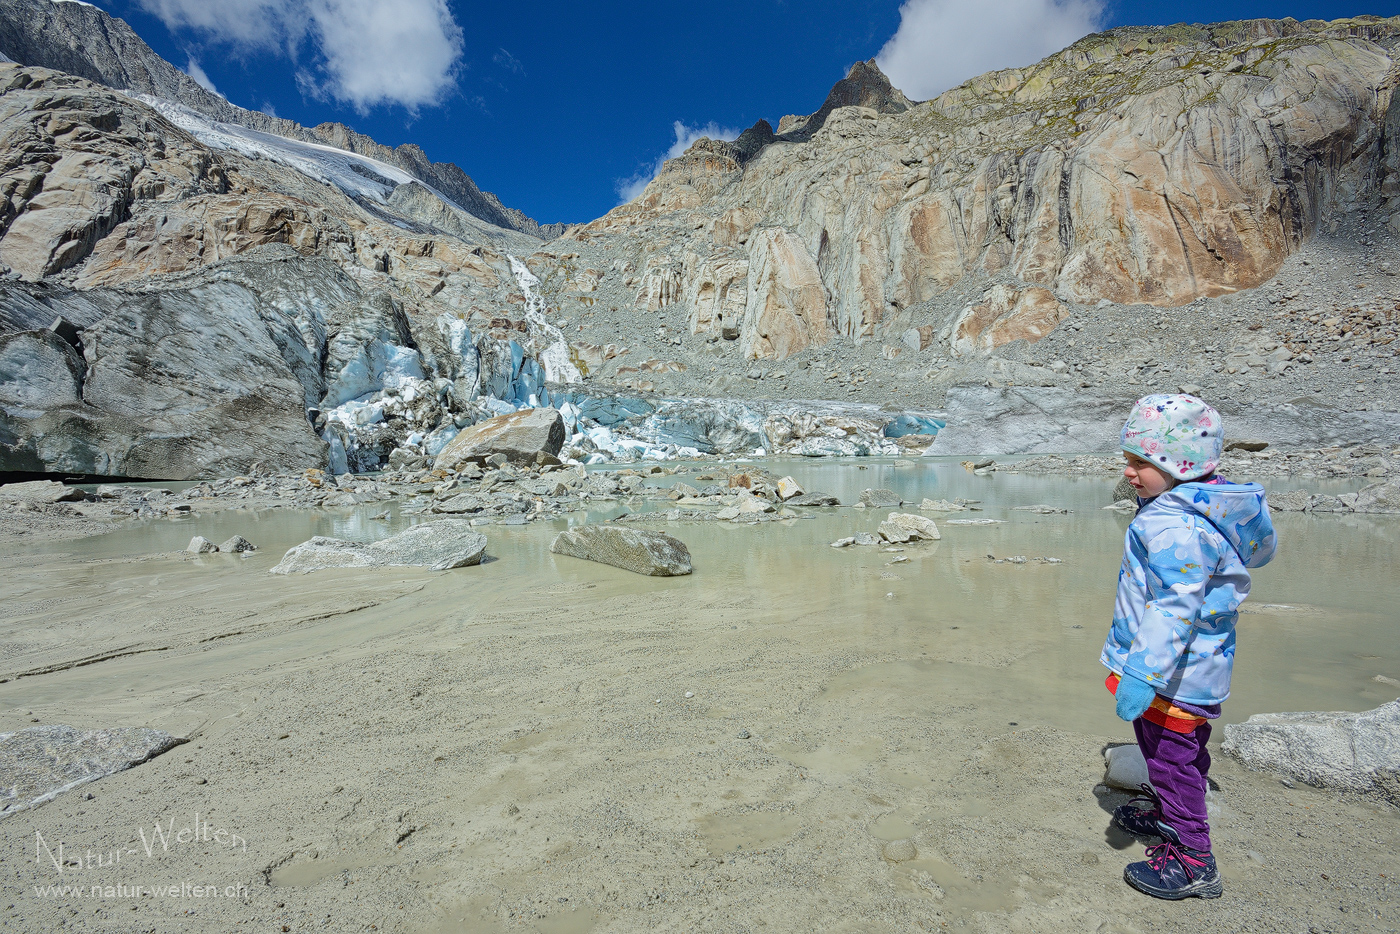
[1238, 511]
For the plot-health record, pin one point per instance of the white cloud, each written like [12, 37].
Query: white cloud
[631, 187]
[942, 43]
[200, 78]
[366, 52]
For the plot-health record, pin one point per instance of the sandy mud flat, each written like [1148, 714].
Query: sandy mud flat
[792, 738]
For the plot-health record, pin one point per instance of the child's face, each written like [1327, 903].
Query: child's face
[1149, 481]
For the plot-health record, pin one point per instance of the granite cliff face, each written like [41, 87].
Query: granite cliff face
[1142, 165]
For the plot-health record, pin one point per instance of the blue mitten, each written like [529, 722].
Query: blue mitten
[1134, 696]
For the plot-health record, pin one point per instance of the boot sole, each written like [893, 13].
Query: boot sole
[1213, 888]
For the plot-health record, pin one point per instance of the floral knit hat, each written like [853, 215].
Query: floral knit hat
[1179, 434]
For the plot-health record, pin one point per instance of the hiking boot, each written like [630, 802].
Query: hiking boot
[1141, 814]
[1174, 871]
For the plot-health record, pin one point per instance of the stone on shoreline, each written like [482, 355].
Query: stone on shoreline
[903, 527]
[40, 493]
[1357, 752]
[440, 546]
[530, 436]
[236, 546]
[641, 551]
[41, 762]
[199, 545]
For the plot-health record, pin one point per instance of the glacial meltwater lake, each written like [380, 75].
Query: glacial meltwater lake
[1321, 622]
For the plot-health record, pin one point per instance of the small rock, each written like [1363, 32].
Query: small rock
[729, 512]
[900, 851]
[843, 542]
[199, 545]
[941, 505]
[1382, 679]
[742, 734]
[1127, 769]
[1251, 446]
[689, 693]
[865, 538]
[1043, 510]
[236, 546]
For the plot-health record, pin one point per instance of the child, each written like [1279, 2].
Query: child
[1172, 644]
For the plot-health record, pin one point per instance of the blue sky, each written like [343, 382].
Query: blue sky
[561, 108]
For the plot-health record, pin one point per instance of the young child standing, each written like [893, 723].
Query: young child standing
[1172, 646]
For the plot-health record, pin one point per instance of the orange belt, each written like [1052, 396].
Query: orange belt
[1163, 712]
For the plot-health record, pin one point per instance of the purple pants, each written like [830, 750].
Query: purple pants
[1178, 764]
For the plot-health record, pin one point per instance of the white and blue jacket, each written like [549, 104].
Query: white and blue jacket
[1185, 572]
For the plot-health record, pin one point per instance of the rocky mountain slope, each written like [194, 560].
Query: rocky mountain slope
[1209, 207]
[83, 40]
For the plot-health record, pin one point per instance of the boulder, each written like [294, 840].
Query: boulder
[941, 505]
[903, 527]
[655, 554]
[42, 762]
[1343, 751]
[880, 497]
[1123, 490]
[237, 546]
[1290, 501]
[788, 488]
[40, 493]
[1378, 497]
[813, 499]
[440, 545]
[529, 436]
[199, 545]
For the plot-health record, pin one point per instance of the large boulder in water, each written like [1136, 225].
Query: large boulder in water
[526, 437]
[439, 546]
[1343, 751]
[41, 762]
[903, 527]
[655, 554]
